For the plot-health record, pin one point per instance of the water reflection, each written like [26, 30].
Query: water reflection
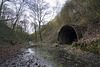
[28, 58]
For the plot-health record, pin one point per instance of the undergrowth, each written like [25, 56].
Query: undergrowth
[9, 37]
[88, 45]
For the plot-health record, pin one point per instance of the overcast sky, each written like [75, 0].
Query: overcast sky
[52, 3]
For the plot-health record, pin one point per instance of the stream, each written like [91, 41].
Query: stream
[47, 56]
[26, 59]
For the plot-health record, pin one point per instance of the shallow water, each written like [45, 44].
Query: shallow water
[27, 58]
[46, 56]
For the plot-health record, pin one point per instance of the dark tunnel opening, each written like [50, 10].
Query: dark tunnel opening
[67, 35]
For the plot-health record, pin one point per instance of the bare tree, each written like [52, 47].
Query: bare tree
[11, 10]
[18, 12]
[35, 28]
[1, 8]
[40, 12]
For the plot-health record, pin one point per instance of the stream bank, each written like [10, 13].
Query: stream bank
[49, 56]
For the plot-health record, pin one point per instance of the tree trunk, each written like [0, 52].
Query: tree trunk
[1, 7]
[15, 24]
[35, 33]
[40, 31]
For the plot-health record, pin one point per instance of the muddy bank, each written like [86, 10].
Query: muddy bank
[6, 52]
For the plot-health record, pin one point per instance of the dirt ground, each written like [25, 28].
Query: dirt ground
[6, 52]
